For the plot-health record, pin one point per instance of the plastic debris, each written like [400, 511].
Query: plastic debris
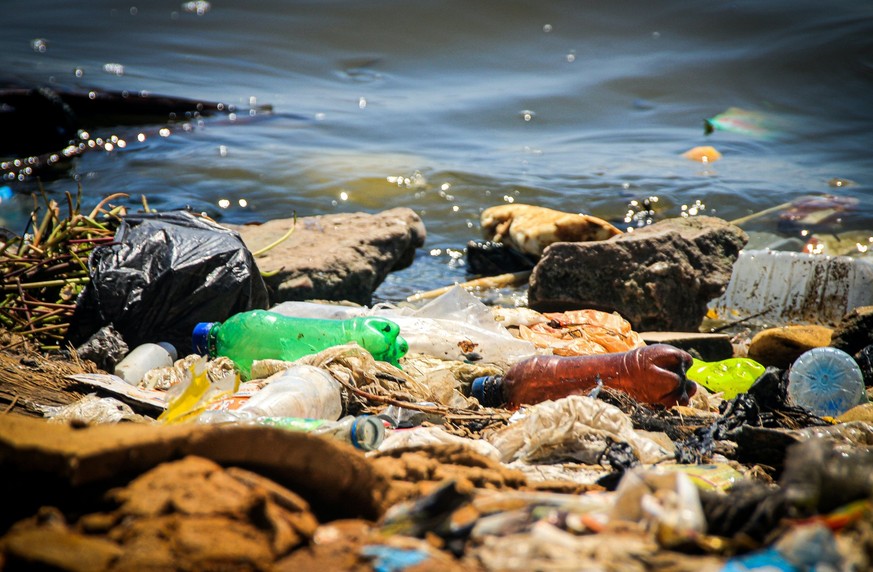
[454, 326]
[776, 287]
[827, 381]
[652, 374]
[93, 409]
[163, 274]
[730, 377]
[582, 332]
[577, 428]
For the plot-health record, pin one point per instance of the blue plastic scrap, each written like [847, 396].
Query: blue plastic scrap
[390, 559]
[765, 561]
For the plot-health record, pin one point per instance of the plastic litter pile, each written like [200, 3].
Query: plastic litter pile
[626, 456]
[446, 436]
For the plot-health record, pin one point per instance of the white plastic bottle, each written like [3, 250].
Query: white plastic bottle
[145, 358]
[299, 391]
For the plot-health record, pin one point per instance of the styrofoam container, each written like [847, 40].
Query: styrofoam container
[773, 288]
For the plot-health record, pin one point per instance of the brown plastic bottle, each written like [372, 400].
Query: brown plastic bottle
[652, 374]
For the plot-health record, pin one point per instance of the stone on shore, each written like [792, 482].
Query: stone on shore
[779, 347]
[855, 331]
[334, 257]
[659, 277]
[707, 347]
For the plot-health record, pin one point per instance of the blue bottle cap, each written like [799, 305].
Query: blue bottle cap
[368, 432]
[200, 337]
[486, 390]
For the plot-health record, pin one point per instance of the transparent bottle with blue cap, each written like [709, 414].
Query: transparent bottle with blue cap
[260, 334]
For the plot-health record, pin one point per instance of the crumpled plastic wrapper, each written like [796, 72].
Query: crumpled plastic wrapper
[546, 547]
[582, 332]
[424, 436]
[573, 428]
[352, 364]
[434, 371]
[164, 378]
[667, 503]
[93, 410]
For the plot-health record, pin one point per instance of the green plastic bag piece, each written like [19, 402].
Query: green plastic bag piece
[731, 376]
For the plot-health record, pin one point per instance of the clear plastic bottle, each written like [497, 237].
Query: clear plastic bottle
[143, 359]
[365, 432]
[653, 374]
[260, 334]
[826, 381]
[299, 391]
[730, 376]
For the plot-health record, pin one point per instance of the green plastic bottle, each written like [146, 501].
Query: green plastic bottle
[731, 376]
[259, 334]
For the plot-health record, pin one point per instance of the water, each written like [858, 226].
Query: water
[454, 106]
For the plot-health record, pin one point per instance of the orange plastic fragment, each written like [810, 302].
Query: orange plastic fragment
[704, 154]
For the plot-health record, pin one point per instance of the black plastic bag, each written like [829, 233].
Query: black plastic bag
[163, 274]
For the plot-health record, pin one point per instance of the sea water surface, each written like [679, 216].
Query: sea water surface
[449, 107]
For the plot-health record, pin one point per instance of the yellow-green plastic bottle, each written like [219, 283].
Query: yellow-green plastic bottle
[731, 376]
[260, 334]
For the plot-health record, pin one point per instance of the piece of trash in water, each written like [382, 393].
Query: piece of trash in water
[755, 124]
[703, 154]
[815, 213]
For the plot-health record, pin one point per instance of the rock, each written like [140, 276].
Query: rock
[334, 257]
[53, 462]
[659, 277]
[707, 347]
[779, 347]
[105, 348]
[51, 549]
[855, 331]
[530, 229]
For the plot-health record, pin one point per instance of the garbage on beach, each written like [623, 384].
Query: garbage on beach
[656, 473]
[573, 428]
[163, 273]
[454, 326]
[582, 332]
[654, 375]
[770, 287]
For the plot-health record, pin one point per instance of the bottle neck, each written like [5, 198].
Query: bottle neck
[489, 391]
[211, 337]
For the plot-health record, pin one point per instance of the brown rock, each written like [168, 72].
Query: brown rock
[52, 549]
[660, 277]
[56, 458]
[428, 466]
[708, 347]
[855, 331]
[334, 257]
[779, 347]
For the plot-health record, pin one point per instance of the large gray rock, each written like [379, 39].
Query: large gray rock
[336, 256]
[659, 277]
